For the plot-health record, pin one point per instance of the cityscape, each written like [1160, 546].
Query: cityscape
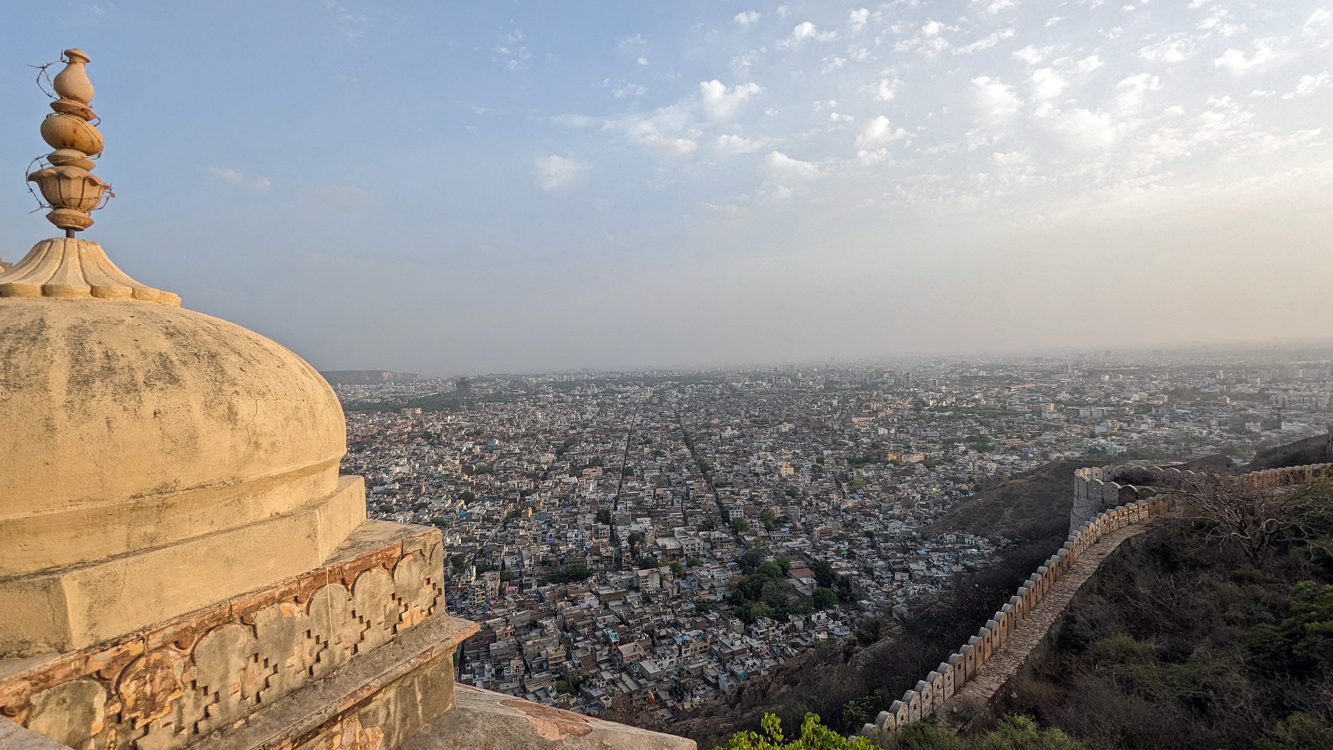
[921, 375]
[636, 541]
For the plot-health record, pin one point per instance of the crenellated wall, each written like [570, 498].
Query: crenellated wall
[1104, 506]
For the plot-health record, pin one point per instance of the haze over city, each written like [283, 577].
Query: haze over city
[447, 188]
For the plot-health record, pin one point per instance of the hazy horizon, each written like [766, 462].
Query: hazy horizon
[448, 189]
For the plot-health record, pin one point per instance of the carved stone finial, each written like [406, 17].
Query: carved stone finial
[67, 267]
[68, 185]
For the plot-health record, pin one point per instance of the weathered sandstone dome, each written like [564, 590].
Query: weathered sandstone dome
[140, 437]
[116, 409]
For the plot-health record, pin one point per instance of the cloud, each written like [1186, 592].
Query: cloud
[1087, 130]
[1047, 84]
[735, 144]
[721, 103]
[879, 131]
[996, 100]
[803, 31]
[986, 42]
[1130, 91]
[1175, 48]
[1089, 64]
[726, 214]
[511, 51]
[554, 172]
[628, 89]
[1314, 26]
[670, 133]
[1307, 85]
[1032, 55]
[929, 39]
[1235, 60]
[746, 18]
[259, 183]
[782, 167]
[668, 147]
[858, 19]
[887, 89]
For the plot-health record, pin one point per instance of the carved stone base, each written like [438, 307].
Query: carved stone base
[358, 650]
[79, 605]
[75, 269]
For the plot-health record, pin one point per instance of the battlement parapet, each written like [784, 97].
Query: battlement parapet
[963, 664]
[1102, 505]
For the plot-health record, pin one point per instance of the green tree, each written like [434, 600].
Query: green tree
[575, 572]
[813, 736]
[824, 598]
[677, 570]
[824, 575]
[604, 516]
[740, 525]
[1302, 644]
[750, 560]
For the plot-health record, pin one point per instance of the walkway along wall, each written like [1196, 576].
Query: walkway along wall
[1093, 487]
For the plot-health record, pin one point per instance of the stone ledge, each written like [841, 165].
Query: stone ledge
[15, 737]
[484, 719]
[311, 711]
[176, 682]
[81, 605]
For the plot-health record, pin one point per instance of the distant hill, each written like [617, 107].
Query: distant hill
[1031, 506]
[368, 377]
[1313, 450]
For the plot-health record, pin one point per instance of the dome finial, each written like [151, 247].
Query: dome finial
[67, 266]
[68, 185]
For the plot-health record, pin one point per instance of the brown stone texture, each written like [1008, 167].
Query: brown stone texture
[169, 686]
[494, 721]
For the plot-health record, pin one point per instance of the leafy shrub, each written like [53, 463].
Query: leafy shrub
[1300, 731]
[1302, 644]
[813, 736]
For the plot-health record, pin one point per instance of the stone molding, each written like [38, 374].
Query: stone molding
[71, 268]
[172, 685]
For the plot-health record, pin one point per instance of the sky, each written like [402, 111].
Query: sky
[450, 188]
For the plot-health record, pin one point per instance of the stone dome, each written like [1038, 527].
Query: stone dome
[130, 425]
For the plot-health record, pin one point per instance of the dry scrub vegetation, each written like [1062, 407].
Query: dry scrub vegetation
[1214, 632]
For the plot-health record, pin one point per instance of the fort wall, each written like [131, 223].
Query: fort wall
[1102, 506]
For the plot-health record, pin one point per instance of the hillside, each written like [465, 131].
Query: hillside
[1312, 450]
[1186, 641]
[1030, 506]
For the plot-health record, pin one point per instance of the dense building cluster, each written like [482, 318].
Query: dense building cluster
[633, 541]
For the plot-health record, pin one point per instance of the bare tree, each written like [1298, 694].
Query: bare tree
[1257, 520]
